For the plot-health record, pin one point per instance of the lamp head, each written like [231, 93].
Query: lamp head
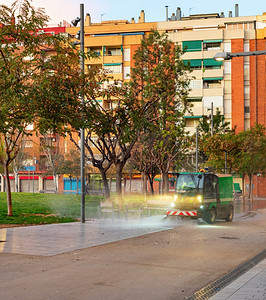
[75, 22]
[222, 56]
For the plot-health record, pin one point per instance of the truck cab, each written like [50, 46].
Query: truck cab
[203, 195]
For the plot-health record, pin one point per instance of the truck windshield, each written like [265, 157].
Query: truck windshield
[189, 182]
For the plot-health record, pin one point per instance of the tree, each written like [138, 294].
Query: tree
[243, 153]
[143, 160]
[222, 150]
[160, 78]
[220, 127]
[35, 89]
[251, 157]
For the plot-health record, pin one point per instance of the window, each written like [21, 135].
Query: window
[209, 188]
[211, 63]
[95, 50]
[113, 68]
[211, 83]
[28, 144]
[195, 84]
[212, 45]
[127, 54]
[194, 63]
[197, 99]
[227, 67]
[247, 109]
[190, 122]
[112, 51]
[47, 141]
[29, 127]
[127, 72]
[191, 46]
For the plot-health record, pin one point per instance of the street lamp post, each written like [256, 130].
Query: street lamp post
[228, 55]
[197, 148]
[82, 149]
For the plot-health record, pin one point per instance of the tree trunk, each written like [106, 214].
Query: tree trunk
[125, 184]
[55, 183]
[105, 184]
[8, 191]
[166, 182]
[251, 192]
[110, 184]
[243, 192]
[144, 183]
[151, 183]
[162, 184]
[119, 169]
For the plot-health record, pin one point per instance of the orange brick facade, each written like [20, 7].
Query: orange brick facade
[238, 103]
[257, 84]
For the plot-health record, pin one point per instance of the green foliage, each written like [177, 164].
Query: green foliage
[219, 145]
[40, 80]
[251, 158]
[245, 150]
[219, 125]
[46, 208]
[160, 84]
[71, 164]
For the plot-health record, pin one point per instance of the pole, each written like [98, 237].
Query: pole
[197, 147]
[211, 118]
[82, 154]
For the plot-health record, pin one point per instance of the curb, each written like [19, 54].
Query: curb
[214, 287]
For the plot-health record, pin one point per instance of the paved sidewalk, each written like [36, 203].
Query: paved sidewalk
[54, 239]
[251, 286]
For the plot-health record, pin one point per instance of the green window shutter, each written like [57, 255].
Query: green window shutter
[192, 117]
[212, 78]
[211, 62]
[112, 64]
[191, 46]
[213, 41]
[193, 62]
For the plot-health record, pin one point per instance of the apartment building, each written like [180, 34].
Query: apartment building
[235, 87]
[114, 42]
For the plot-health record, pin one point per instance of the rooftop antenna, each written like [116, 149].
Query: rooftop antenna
[190, 10]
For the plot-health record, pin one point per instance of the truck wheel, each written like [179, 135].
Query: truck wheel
[230, 216]
[211, 215]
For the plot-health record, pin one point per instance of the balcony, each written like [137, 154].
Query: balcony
[112, 59]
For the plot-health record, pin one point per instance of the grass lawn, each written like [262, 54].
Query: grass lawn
[35, 208]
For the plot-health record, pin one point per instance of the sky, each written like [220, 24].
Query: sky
[105, 10]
